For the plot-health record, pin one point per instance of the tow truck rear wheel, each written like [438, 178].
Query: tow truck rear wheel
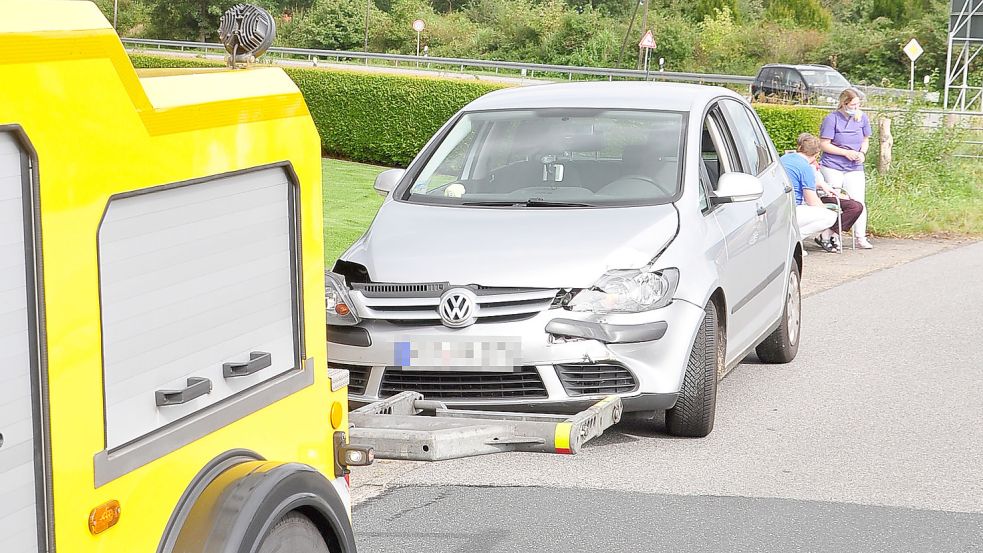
[692, 416]
[294, 533]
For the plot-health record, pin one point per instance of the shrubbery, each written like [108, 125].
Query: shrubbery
[141, 61]
[785, 123]
[386, 119]
[380, 118]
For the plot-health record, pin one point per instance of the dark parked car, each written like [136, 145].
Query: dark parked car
[815, 84]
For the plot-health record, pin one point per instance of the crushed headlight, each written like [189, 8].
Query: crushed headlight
[629, 291]
[338, 305]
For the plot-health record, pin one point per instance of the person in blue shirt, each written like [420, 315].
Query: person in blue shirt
[810, 211]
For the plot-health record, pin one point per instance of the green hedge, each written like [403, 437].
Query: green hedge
[384, 118]
[375, 118]
[141, 61]
[380, 118]
[785, 123]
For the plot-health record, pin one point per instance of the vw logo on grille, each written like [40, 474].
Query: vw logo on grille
[458, 307]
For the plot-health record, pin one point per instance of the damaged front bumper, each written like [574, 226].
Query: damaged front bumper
[567, 360]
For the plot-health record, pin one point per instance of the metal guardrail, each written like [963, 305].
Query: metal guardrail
[527, 70]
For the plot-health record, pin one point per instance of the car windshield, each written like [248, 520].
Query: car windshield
[824, 77]
[553, 158]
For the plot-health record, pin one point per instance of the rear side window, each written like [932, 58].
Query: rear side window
[750, 140]
[793, 80]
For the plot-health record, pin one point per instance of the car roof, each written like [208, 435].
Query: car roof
[799, 66]
[621, 95]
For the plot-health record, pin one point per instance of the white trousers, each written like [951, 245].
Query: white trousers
[813, 219]
[853, 183]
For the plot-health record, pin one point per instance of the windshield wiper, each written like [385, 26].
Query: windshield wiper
[532, 202]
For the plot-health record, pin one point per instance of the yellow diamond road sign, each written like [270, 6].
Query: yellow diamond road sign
[913, 49]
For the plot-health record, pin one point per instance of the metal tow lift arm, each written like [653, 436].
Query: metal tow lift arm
[395, 429]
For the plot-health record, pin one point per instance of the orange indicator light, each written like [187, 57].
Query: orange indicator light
[336, 413]
[104, 517]
[342, 309]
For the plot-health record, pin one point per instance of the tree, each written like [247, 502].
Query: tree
[710, 8]
[804, 13]
[131, 15]
[187, 19]
[335, 25]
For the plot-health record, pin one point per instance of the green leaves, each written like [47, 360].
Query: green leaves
[383, 119]
[785, 123]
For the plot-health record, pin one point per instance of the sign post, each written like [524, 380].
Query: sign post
[648, 44]
[913, 50]
[418, 26]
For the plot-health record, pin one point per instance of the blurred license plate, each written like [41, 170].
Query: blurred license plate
[477, 354]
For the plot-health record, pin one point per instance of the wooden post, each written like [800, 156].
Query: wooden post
[887, 141]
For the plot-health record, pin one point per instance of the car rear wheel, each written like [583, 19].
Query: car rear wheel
[781, 345]
[294, 533]
[692, 415]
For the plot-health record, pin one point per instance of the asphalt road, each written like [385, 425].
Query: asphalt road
[871, 440]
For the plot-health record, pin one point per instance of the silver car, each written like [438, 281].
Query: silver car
[555, 244]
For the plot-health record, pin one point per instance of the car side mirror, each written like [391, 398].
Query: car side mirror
[737, 187]
[387, 181]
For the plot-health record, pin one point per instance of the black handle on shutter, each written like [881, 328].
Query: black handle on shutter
[257, 360]
[197, 387]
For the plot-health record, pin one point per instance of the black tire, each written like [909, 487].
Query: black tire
[692, 416]
[783, 343]
[294, 533]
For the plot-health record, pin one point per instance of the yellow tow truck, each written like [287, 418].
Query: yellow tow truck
[162, 311]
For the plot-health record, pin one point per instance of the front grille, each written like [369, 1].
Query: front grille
[596, 379]
[464, 386]
[381, 289]
[358, 376]
[417, 304]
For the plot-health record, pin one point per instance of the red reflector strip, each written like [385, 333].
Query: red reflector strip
[561, 438]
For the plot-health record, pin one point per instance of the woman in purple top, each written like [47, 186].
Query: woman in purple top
[844, 137]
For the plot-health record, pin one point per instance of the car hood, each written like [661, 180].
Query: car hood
[524, 247]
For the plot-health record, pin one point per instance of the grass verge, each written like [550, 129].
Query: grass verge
[350, 204]
[928, 190]
[931, 207]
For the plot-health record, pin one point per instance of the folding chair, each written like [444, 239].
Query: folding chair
[839, 217]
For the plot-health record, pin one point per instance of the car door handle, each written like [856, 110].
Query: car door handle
[761, 211]
[788, 188]
[197, 387]
[257, 360]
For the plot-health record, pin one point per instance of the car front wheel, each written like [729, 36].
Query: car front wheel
[781, 345]
[692, 415]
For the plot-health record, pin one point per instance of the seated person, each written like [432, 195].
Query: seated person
[810, 211]
[850, 209]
